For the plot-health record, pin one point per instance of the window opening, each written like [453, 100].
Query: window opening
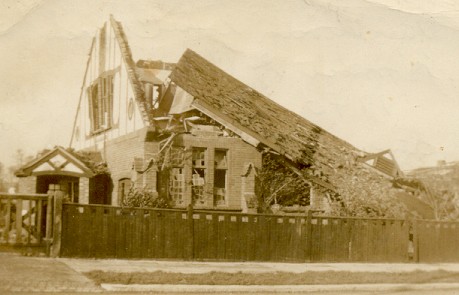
[73, 191]
[177, 185]
[220, 177]
[100, 95]
[177, 174]
[198, 175]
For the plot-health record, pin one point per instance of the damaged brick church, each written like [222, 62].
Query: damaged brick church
[187, 131]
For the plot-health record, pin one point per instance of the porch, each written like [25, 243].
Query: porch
[74, 176]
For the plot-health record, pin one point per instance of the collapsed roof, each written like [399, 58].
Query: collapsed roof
[245, 111]
[248, 112]
[330, 162]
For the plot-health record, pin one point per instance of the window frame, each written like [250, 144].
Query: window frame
[176, 182]
[100, 101]
[220, 199]
[198, 183]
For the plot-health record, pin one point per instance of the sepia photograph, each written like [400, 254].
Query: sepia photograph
[229, 147]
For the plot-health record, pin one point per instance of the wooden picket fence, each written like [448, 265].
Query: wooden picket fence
[113, 232]
[437, 241]
[97, 231]
[76, 230]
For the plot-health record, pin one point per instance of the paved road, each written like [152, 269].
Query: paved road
[39, 274]
[124, 265]
[290, 289]
[406, 292]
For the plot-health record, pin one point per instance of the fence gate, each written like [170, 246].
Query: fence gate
[29, 219]
[22, 219]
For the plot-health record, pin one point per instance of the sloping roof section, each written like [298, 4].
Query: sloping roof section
[58, 161]
[131, 68]
[227, 99]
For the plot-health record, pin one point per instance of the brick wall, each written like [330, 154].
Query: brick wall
[121, 153]
[240, 155]
[120, 157]
[27, 185]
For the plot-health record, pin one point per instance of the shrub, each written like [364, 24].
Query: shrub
[144, 198]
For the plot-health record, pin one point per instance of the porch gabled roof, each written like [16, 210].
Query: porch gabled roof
[58, 161]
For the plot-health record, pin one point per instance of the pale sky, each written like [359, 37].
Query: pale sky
[378, 73]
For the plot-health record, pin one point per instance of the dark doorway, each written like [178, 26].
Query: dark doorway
[100, 190]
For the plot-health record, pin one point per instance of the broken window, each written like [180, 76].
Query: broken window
[177, 185]
[199, 157]
[220, 159]
[100, 95]
[198, 175]
[220, 174]
[177, 175]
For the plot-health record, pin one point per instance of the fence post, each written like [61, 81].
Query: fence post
[415, 241]
[6, 234]
[309, 236]
[49, 220]
[18, 221]
[57, 223]
[191, 231]
[350, 250]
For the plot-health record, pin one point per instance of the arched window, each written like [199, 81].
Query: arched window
[124, 185]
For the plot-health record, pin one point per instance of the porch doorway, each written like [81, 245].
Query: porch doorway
[68, 184]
